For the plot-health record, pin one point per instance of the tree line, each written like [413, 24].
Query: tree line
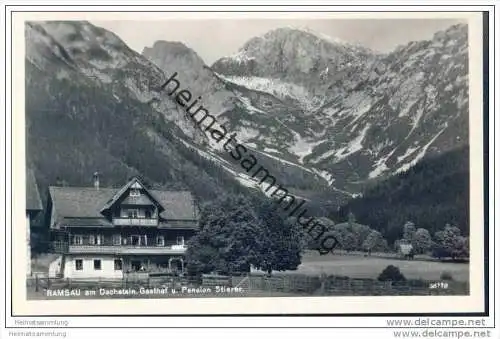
[238, 232]
[433, 193]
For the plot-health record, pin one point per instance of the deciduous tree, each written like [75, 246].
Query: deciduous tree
[237, 233]
[422, 241]
[229, 240]
[375, 242]
[280, 240]
[449, 242]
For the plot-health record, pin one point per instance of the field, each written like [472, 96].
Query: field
[358, 266]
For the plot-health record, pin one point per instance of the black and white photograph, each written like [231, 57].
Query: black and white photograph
[304, 158]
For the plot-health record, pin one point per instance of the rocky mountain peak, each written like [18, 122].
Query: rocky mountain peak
[299, 56]
[76, 43]
[301, 35]
[163, 52]
[317, 106]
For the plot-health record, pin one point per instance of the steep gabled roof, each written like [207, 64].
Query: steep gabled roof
[82, 202]
[122, 191]
[33, 202]
[179, 205]
[83, 206]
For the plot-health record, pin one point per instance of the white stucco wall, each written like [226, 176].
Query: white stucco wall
[55, 267]
[107, 267]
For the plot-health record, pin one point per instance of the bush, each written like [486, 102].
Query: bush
[391, 273]
[446, 276]
[438, 251]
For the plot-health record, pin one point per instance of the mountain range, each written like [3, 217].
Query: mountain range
[326, 117]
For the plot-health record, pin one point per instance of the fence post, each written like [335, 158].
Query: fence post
[323, 282]
[36, 282]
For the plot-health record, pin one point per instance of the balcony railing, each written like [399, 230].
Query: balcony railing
[127, 249]
[135, 222]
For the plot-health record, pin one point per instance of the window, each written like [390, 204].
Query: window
[77, 240]
[148, 214]
[180, 240]
[97, 265]
[118, 264]
[117, 239]
[160, 240]
[78, 264]
[135, 192]
[133, 213]
[138, 240]
[96, 239]
[135, 240]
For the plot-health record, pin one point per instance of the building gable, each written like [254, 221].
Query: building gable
[125, 196]
[84, 206]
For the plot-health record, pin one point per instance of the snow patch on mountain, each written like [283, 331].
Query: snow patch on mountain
[247, 104]
[325, 175]
[421, 154]
[283, 161]
[380, 168]
[242, 178]
[277, 88]
[408, 152]
[354, 146]
[301, 146]
[240, 56]
[324, 156]
[244, 134]
[272, 150]
[380, 165]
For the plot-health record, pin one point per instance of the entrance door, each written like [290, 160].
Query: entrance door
[176, 265]
[135, 265]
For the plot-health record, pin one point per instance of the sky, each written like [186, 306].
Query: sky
[213, 39]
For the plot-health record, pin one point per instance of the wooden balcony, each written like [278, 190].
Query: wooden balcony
[126, 249]
[135, 222]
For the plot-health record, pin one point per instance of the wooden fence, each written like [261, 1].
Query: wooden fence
[333, 285]
[293, 283]
[42, 283]
[210, 280]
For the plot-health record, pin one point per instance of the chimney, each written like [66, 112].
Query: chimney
[96, 180]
